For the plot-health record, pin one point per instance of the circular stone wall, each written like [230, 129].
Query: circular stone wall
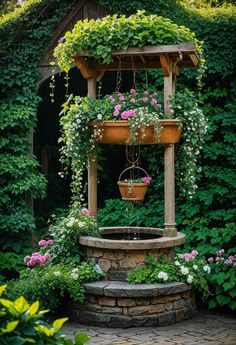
[120, 304]
[117, 257]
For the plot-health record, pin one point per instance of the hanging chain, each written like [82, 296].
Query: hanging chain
[99, 88]
[146, 79]
[118, 77]
[134, 73]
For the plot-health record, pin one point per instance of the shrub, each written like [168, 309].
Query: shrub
[22, 323]
[53, 283]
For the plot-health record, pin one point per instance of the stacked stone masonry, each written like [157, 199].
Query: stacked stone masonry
[116, 263]
[119, 304]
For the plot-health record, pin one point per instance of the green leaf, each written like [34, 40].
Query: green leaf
[81, 338]
[212, 304]
[59, 322]
[2, 289]
[34, 308]
[10, 327]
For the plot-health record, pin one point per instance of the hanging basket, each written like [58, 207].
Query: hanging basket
[118, 132]
[132, 190]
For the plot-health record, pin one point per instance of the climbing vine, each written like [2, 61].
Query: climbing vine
[25, 35]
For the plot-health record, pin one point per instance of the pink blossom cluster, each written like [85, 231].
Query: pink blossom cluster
[190, 256]
[85, 211]
[230, 260]
[45, 243]
[146, 179]
[37, 259]
[127, 114]
[124, 103]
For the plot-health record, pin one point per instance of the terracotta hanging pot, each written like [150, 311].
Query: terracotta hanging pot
[132, 189]
[118, 132]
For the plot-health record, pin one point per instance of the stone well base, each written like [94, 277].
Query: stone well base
[120, 304]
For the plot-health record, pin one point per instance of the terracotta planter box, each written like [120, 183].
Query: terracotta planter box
[118, 132]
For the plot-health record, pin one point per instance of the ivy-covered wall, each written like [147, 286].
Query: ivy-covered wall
[24, 37]
[208, 218]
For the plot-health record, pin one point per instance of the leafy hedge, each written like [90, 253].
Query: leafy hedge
[24, 37]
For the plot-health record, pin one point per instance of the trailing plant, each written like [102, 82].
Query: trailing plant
[186, 268]
[53, 283]
[103, 35]
[23, 323]
[140, 109]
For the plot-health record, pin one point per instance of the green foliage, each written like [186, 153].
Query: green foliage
[65, 233]
[222, 280]
[53, 283]
[22, 323]
[10, 265]
[194, 271]
[24, 39]
[101, 36]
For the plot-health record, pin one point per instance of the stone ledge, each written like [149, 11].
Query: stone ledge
[124, 289]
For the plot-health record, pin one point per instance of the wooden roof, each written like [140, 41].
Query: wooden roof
[161, 56]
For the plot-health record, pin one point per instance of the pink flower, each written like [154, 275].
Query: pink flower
[116, 113]
[145, 92]
[124, 115]
[128, 113]
[153, 101]
[118, 107]
[220, 252]
[146, 179]
[122, 98]
[133, 100]
[132, 91]
[158, 105]
[194, 253]
[42, 243]
[26, 258]
[187, 257]
[210, 259]
[113, 100]
[145, 99]
[85, 211]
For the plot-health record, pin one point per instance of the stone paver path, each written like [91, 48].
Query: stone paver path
[202, 329]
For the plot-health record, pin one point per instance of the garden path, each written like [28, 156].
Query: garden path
[202, 329]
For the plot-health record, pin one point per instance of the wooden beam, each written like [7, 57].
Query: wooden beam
[185, 48]
[166, 65]
[92, 164]
[169, 156]
[86, 72]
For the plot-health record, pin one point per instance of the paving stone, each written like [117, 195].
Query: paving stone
[202, 329]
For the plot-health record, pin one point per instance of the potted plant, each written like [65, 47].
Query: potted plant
[83, 118]
[135, 187]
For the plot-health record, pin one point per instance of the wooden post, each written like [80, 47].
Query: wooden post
[169, 153]
[92, 164]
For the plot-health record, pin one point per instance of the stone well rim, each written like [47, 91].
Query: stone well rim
[156, 243]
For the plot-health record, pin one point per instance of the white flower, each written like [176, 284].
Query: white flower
[195, 267]
[190, 279]
[99, 116]
[207, 269]
[57, 273]
[71, 222]
[163, 275]
[81, 224]
[75, 276]
[75, 270]
[184, 270]
[177, 263]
